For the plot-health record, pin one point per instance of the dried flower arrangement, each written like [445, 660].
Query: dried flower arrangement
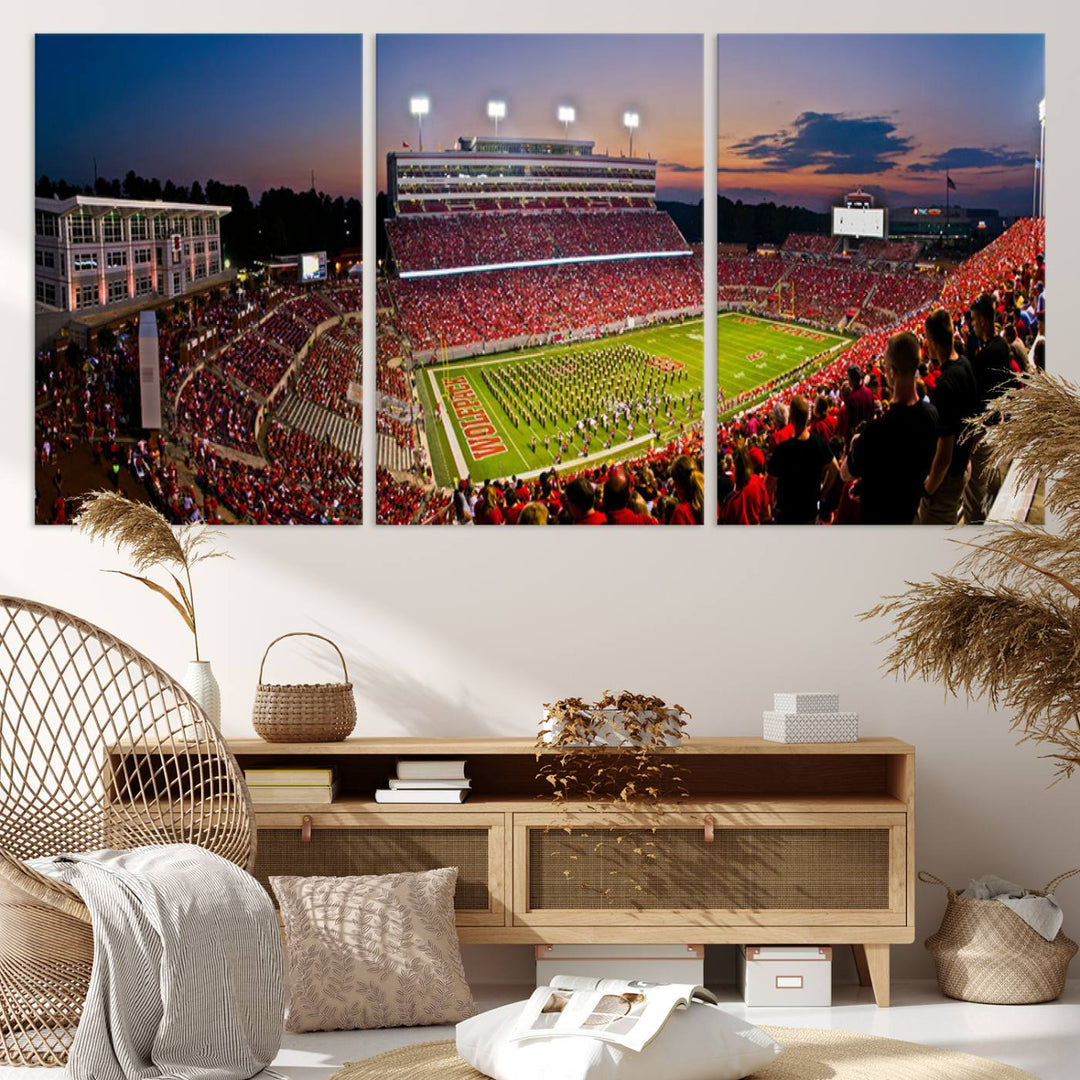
[636, 769]
[150, 542]
[1009, 631]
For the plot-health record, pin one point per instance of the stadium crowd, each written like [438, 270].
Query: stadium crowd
[879, 434]
[470, 309]
[664, 487]
[445, 241]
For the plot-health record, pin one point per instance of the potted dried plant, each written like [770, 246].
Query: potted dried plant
[614, 754]
[151, 543]
[1005, 624]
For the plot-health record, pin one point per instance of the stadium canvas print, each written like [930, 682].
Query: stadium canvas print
[540, 346]
[197, 225]
[881, 273]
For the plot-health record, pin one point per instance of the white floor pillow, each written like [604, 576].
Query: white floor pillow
[698, 1043]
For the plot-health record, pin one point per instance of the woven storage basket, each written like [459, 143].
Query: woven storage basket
[985, 952]
[322, 712]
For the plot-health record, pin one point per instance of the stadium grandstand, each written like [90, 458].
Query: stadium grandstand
[878, 295]
[260, 401]
[510, 244]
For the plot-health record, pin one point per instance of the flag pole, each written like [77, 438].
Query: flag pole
[1034, 185]
[946, 202]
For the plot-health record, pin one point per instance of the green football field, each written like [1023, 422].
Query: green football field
[754, 351]
[501, 449]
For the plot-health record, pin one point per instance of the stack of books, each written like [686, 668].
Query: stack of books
[809, 718]
[431, 781]
[299, 786]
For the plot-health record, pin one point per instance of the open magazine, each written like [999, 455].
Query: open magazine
[615, 1010]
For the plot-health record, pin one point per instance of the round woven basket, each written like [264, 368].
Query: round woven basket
[985, 952]
[318, 712]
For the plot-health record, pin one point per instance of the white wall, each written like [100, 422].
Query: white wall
[452, 631]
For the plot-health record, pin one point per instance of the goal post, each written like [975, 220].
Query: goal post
[785, 298]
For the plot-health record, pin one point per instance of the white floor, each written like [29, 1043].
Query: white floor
[1043, 1039]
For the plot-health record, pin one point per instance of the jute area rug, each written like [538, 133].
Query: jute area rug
[808, 1055]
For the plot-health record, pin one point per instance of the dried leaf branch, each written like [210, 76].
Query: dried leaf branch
[642, 773]
[1009, 631]
[150, 542]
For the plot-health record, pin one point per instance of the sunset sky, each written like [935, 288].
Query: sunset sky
[804, 118]
[258, 110]
[601, 75]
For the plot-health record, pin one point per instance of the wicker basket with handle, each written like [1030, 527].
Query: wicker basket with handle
[321, 712]
[985, 952]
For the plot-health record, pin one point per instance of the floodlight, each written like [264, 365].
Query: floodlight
[420, 106]
[630, 121]
[1042, 111]
[496, 111]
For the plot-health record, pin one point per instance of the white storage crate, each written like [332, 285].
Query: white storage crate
[810, 728]
[802, 702]
[643, 963]
[783, 976]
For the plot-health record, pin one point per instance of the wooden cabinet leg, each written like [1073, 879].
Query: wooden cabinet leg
[877, 965]
[861, 965]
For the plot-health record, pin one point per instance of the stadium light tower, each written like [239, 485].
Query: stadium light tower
[630, 121]
[567, 116]
[420, 107]
[496, 112]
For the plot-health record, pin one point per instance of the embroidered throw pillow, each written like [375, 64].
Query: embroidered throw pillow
[372, 952]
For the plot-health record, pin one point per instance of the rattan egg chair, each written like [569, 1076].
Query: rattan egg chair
[99, 748]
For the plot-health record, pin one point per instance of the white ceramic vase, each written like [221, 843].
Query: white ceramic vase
[200, 683]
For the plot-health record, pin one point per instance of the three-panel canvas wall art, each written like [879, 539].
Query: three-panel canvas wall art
[542, 277]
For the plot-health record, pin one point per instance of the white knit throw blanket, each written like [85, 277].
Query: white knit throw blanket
[187, 976]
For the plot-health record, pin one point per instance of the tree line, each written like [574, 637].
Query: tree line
[281, 222]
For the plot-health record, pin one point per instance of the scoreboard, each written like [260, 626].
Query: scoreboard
[858, 221]
[313, 266]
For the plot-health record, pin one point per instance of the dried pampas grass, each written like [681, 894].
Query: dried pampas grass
[146, 537]
[1009, 629]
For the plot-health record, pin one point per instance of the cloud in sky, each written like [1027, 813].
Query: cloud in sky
[680, 167]
[830, 143]
[973, 157]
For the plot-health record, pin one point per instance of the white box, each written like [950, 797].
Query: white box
[785, 976]
[817, 728]
[645, 963]
[803, 703]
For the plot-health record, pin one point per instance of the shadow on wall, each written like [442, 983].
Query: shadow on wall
[395, 691]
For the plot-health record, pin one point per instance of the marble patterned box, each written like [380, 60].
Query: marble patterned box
[813, 728]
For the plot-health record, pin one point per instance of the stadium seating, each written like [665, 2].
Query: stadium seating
[449, 241]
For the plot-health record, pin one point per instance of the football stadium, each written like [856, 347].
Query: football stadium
[810, 321]
[539, 320]
[198, 343]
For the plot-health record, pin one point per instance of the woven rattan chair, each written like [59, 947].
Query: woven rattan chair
[99, 748]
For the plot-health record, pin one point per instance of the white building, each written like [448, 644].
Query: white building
[92, 253]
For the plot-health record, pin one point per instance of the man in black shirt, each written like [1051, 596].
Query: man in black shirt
[797, 469]
[993, 373]
[891, 456]
[956, 398]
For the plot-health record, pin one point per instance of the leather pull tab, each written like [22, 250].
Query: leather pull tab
[305, 829]
[709, 833]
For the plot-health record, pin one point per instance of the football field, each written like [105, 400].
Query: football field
[483, 414]
[754, 351]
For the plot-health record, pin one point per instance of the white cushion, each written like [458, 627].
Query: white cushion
[701, 1042]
